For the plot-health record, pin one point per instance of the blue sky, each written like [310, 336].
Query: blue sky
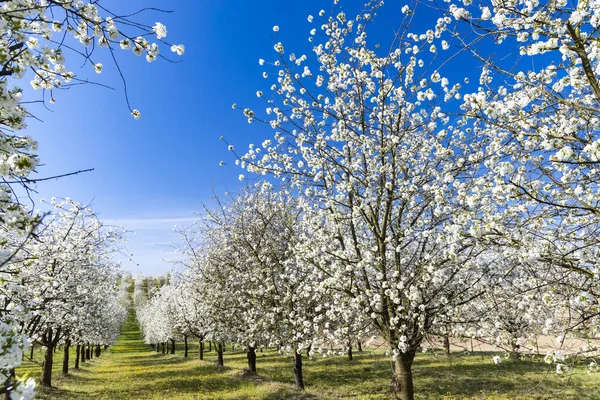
[155, 173]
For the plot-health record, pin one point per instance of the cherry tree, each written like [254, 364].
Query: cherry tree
[37, 38]
[537, 100]
[390, 182]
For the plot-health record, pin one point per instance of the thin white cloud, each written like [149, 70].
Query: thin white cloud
[136, 224]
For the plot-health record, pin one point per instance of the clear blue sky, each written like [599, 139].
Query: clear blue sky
[154, 173]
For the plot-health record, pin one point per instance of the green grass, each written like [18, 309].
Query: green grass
[132, 370]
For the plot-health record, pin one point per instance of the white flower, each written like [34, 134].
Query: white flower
[275, 28]
[136, 114]
[261, 61]
[125, 44]
[561, 368]
[310, 18]
[497, 360]
[241, 177]
[178, 48]
[230, 147]
[160, 30]
[98, 67]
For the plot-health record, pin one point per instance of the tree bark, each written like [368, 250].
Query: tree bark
[299, 380]
[185, 346]
[87, 352]
[350, 351]
[31, 352]
[220, 362]
[201, 350]
[46, 379]
[172, 346]
[77, 355]
[65, 366]
[163, 348]
[209, 345]
[83, 353]
[251, 355]
[98, 350]
[91, 346]
[359, 344]
[447, 344]
[402, 380]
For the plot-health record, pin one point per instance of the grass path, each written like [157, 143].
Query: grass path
[131, 370]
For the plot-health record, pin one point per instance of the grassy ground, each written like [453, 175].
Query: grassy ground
[131, 370]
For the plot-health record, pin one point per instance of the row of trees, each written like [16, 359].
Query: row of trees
[57, 281]
[420, 197]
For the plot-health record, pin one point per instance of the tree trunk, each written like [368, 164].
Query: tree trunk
[220, 354]
[31, 352]
[163, 348]
[46, 379]
[298, 370]
[168, 346]
[105, 346]
[83, 353]
[172, 346]
[158, 347]
[77, 355]
[87, 352]
[402, 381]
[91, 346]
[185, 346]
[201, 350]
[447, 344]
[251, 355]
[359, 344]
[350, 351]
[308, 349]
[515, 352]
[65, 366]
[209, 345]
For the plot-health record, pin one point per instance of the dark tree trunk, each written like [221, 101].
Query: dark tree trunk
[172, 346]
[77, 355]
[87, 352]
[91, 351]
[209, 345]
[447, 344]
[402, 380]
[220, 362]
[105, 346]
[168, 346]
[251, 354]
[201, 350]
[158, 347]
[185, 346]
[163, 348]
[299, 380]
[359, 344]
[83, 353]
[515, 352]
[308, 349]
[98, 350]
[65, 366]
[350, 351]
[46, 379]
[31, 351]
